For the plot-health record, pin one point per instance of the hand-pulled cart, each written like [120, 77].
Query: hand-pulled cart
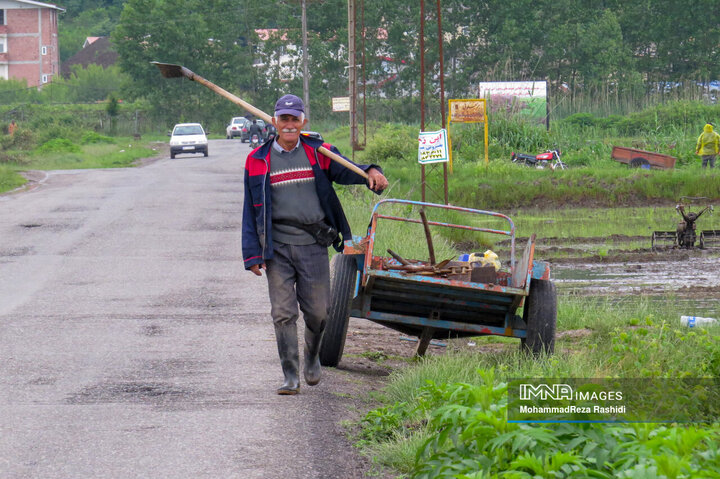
[423, 300]
[642, 159]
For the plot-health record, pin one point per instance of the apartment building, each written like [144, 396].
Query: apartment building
[29, 41]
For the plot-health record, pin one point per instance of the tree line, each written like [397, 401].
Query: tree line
[604, 48]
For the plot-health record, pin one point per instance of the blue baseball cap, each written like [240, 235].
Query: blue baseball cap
[289, 105]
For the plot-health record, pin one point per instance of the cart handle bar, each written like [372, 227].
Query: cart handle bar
[449, 225]
[375, 216]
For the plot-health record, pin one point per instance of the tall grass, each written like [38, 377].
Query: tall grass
[10, 179]
[116, 155]
[89, 151]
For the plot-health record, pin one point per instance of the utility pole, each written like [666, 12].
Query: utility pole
[423, 176]
[352, 76]
[306, 75]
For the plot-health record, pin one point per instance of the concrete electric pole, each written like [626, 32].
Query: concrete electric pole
[306, 75]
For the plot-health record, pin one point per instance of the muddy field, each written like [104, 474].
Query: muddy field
[683, 274]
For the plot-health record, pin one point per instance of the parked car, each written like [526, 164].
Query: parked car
[235, 127]
[188, 138]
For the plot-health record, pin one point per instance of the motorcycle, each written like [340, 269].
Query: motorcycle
[254, 141]
[550, 158]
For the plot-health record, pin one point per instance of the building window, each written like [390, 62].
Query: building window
[2, 16]
[2, 45]
[44, 50]
[44, 78]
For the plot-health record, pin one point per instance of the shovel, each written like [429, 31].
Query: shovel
[168, 70]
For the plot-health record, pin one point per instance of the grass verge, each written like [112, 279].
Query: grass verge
[446, 416]
[63, 155]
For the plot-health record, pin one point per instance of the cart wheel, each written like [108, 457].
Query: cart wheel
[540, 315]
[343, 273]
[639, 162]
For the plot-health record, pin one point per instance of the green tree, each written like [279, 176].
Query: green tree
[200, 35]
[13, 91]
[85, 85]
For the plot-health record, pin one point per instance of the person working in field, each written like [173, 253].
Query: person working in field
[708, 145]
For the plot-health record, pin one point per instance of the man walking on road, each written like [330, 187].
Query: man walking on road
[290, 216]
[708, 145]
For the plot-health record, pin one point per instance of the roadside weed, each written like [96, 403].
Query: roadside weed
[458, 402]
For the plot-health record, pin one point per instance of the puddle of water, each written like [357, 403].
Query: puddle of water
[619, 277]
[691, 287]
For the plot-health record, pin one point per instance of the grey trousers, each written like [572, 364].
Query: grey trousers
[299, 275]
[708, 159]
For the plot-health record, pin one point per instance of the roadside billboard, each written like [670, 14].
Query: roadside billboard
[524, 98]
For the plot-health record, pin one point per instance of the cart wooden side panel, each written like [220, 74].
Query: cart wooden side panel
[641, 158]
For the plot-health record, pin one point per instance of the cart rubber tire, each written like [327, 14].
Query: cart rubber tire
[343, 274]
[172, 156]
[639, 162]
[540, 316]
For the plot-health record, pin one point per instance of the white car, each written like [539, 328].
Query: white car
[235, 127]
[188, 138]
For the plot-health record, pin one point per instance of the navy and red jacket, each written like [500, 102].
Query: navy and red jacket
[257, 209]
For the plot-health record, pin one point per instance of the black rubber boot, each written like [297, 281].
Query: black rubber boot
[312, 368]
[287, 343]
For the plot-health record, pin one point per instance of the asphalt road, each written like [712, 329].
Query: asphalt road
[132, 342]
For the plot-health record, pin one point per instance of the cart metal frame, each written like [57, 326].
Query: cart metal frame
[435, 307]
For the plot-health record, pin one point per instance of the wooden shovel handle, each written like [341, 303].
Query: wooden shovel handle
[267, 118]
[342, 161]
[222, 92]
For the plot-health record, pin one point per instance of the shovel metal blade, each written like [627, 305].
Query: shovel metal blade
[169, 70]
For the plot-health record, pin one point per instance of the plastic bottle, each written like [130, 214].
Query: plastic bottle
[692, 321]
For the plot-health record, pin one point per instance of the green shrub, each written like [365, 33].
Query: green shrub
[392, 143]
[582, 119]
[59, 145]
[23, 139]
[54, 131]
[91, 137]
[470, 437]
[9, 157]
[687, 116]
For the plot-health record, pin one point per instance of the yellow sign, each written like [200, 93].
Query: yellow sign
[467, 111]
